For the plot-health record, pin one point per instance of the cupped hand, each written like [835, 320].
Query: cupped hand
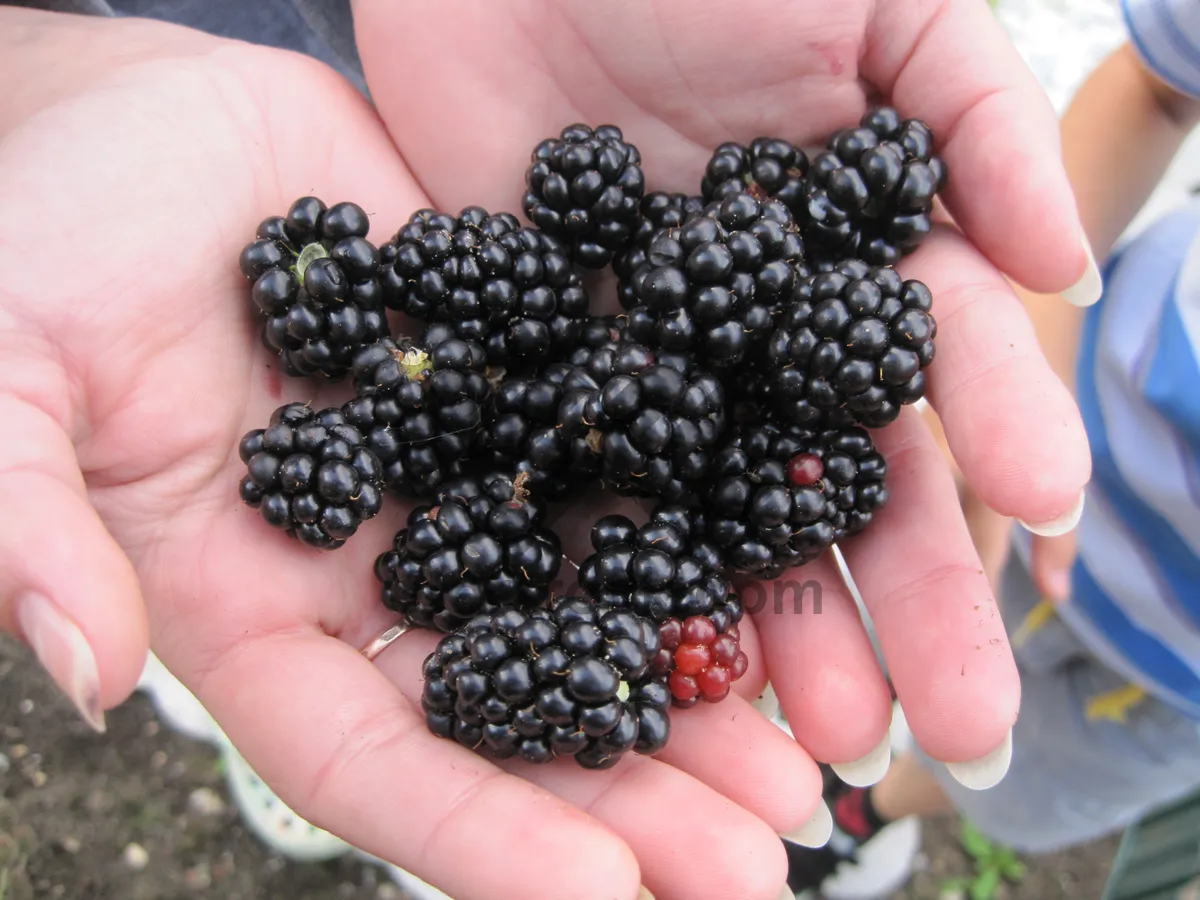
[465, 94]
[131, 175]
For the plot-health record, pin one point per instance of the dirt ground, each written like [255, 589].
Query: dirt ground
[142, 814]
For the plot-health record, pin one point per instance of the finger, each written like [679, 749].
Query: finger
[824, 669]
[65, 584]
[1052, 561]
[952, 64]
[349, 753]
[1011, 424]
[642, 800]
[934, 614]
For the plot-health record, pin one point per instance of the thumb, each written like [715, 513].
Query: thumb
[1052, 558]
[66, 587]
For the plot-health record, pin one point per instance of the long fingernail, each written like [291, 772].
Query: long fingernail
[644, 894]
[866, 770]
[786, 893]
[1060, 526]
[816, 831]
[987, 771]
[767, 703]
[64, 652]
[1089, 287]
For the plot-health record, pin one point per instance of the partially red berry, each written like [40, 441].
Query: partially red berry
[805, 469]
[699, 630]
[670, 633]
[683, 687]
[714, 683]
[734, 632]
[664, 660]
[725, 650]
[692, 659]
[740, 665]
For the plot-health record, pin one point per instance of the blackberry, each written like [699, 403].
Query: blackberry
[768, 167]
[584, 188]
[481, 547]
[573, 680]
[649, 423]
[855, 339]
[523, 435]
[870, 194]
[659, 211]
[781, 496]
[315, 286]
[421, 412]
[511, 289]
[712, 286]
[664, 569]
[312, 475]
[700, 661]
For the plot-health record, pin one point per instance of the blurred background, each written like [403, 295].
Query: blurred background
[144, 812]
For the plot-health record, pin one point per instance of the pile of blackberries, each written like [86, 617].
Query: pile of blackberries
[763, 331]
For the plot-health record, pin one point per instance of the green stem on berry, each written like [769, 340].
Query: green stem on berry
[309, 255]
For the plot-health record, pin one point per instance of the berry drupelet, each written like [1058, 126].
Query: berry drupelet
[570, 681]
[659, 211]
[312, 475]
[768, 167]
[481, 547]
[854, 339]
[316, 286]
[870, 193]
[584, 188]
[700, 661]
[511, 289]
[781, 496]
[649, 423]
[712, 286]
[661, 570]
[421, 412]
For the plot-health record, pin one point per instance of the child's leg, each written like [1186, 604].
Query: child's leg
[1091, 753]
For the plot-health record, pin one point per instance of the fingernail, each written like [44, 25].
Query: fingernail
[644, 894]
[987, 771]
[867, 770]
[1089, 287]
[767, 703]
[816, 831]
[1062, 524]
[63, 651]
[786, 893]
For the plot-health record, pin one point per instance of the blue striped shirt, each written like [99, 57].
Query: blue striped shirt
[1135, 586]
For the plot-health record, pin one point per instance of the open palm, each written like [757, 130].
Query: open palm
[127, 188]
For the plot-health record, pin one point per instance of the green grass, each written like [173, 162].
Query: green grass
[992, 865]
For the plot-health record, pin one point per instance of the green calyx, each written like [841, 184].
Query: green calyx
[307, 256]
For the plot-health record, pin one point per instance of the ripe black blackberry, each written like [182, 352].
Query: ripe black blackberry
[312, 475]
[767, 167]
[511, 289]
[584, 188]
[316, 286]
[870, 193]
[664, 569]
[659, 211]
[481, 547]
[523, 435]
[781, 496]
[713, 285]
[421, 412]
[854, 341]
[573, 680]
[650, 423]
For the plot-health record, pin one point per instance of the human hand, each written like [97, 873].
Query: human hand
[466, 96]
[129, 182]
